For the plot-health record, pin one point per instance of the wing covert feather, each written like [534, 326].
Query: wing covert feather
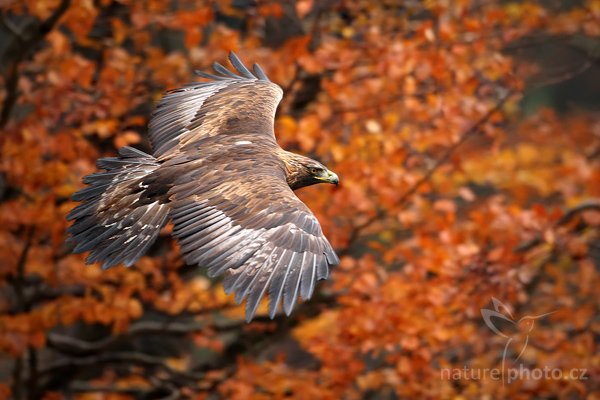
[256, 232]
[217, 107]
[232, 209]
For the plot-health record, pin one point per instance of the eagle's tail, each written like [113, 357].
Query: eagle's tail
[118, 220]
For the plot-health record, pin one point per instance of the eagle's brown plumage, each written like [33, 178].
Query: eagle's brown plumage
[218, 173]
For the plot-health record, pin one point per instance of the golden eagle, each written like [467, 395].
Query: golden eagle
[218, 173]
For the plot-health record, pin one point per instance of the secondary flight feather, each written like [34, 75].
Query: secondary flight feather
[217, 172]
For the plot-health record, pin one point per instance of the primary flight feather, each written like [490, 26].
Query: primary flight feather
[218, 173]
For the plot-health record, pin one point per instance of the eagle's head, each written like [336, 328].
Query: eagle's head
[303, 171]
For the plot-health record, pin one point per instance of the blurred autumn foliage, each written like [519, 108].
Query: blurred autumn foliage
[467, 138]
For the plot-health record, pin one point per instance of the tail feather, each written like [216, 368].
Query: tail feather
[117, 221]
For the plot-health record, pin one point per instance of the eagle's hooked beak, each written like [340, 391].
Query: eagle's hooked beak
[332, 177]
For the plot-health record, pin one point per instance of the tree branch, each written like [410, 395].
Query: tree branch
[120, 357]
[77, 347]
[19, 281]
[573, 212]
[19, 288]
[22, 48]
[138, 392]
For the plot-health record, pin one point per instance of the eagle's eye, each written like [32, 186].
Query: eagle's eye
[315, 170]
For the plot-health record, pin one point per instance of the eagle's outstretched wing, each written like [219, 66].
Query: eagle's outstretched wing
[240, 217]
[219, 174]
[226, 102]
[232, 209]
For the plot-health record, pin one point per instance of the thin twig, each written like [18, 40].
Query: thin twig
[450, 150]
[474, 129]
[15, 30]
[564, 76]
[565, 219]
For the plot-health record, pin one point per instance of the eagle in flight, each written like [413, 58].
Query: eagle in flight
[217, 172]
